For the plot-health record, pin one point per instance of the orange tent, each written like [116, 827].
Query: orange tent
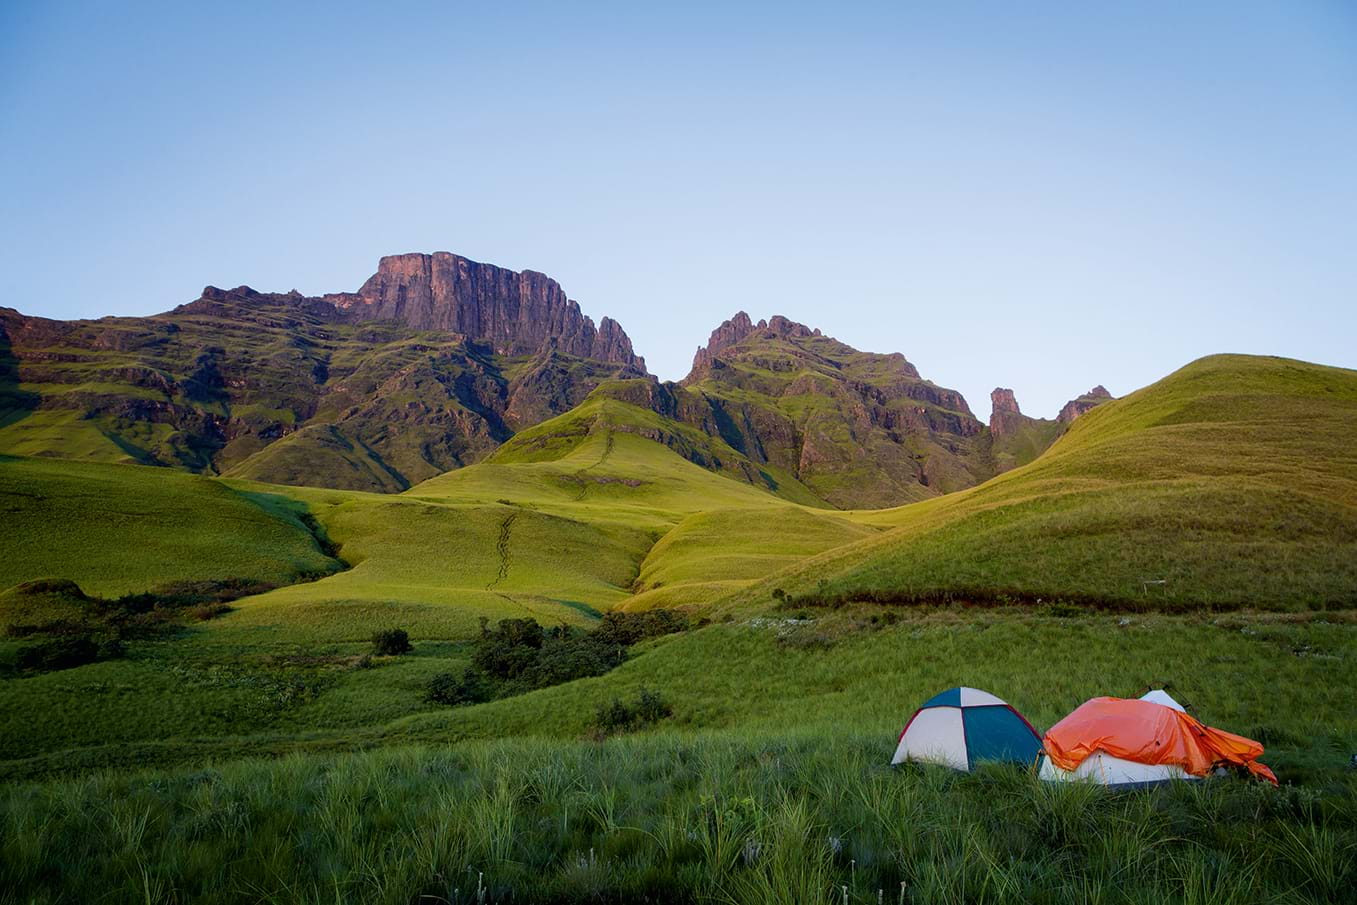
[1148, 733]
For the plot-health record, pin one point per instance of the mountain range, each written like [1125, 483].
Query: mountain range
[437, 361]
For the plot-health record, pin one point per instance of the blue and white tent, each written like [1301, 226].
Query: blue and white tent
[964, 726]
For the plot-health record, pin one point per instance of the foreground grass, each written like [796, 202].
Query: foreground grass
[730, 817]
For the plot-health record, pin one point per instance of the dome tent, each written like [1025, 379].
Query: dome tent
[962, 727]
[1127, 743]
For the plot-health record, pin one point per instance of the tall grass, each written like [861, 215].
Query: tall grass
[741, 818]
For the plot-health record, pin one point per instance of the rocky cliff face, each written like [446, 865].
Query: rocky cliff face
[1016, 439]
[737, 330]
[1004, 412]
[516, 313]
[323, 391]
[857, 428]
[1078, 406]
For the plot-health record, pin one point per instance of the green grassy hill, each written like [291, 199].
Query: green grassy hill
[1233, 481]
[118, 529]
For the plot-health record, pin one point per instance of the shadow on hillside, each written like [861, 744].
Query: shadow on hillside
[15, 404]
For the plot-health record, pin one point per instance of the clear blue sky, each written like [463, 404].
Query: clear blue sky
[1037, 196]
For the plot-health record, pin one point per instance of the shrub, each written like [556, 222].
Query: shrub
[111, 649]
[615, 717]
[209, 611]
[572, 658]
[449, 688]
[59, 653]
[391, 642]
[651, 708]
[629, 628]
[619, 716]
[509, 649]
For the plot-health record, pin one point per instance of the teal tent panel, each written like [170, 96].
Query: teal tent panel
[998, 733]
[949, 698]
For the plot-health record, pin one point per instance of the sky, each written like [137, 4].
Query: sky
[1037, 196]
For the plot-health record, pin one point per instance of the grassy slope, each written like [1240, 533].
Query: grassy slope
[558, 539]
[600, 414]
[1233, 479]
[116, 529]
[1283, 680]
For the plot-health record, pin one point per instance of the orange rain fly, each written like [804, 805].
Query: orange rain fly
[1148, 733]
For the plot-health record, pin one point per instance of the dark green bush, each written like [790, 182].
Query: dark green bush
[508, 649]
[449, 688]
[615, 717]
[620, 716]
[651, 707]
[567, 659]
[391, 642]
[629, 628]
[518, 655]
[58, 653]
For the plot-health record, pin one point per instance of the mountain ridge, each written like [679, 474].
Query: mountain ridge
[438, 360]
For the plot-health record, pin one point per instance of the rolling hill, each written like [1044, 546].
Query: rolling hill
[1232, 482]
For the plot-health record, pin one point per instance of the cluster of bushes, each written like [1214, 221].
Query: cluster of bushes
[392, 642]
[823, 597]
[619, 716]
[518, 655]
[65, 653]
[70, 628]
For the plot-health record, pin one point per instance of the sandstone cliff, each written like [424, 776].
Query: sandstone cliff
[517, 313]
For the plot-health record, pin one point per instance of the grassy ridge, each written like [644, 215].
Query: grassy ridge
[1233, 481]
[117, 529]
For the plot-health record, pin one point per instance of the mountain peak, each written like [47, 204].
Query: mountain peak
[739, 328]
[515, 311]
[1004, 411]
[1081, 404]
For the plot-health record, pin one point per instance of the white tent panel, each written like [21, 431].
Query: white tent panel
[1160, 696]
[935, 736]
[974, 697]
[1103, 768]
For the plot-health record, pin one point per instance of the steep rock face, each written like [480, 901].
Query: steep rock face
[1081, 404]
[516, 313]
[741, 327]
[859, 429]
[278, 387]
[1004, 412]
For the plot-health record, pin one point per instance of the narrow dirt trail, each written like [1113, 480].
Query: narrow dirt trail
[502, 549]
[579, 475]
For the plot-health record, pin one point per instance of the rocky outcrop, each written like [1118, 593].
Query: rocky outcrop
[1005, 416]
[857, 428]
[737, 330]
[1078, 406]
[517, 313]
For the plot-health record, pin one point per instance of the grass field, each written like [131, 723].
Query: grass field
[745, 818]
[1233, 479]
